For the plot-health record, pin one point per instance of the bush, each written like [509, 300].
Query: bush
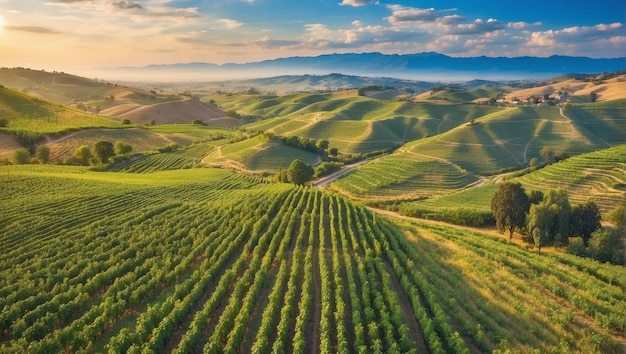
[577, 246]
[326, 168]
[458, 216]
[21, 156]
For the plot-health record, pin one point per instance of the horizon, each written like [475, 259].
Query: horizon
[81, 35]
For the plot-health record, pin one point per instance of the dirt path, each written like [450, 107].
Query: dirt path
[333, 176]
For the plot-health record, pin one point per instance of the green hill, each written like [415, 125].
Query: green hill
[403, 176]
[596, 176]
[30, 115]
[258, 154]
[509, 140]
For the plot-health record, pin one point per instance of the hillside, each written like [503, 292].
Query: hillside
[31, 115]
[183, 111]
[579, 91]
[203, 259]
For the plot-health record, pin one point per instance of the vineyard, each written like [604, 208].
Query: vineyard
[204, 260]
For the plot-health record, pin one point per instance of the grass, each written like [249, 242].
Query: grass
[257, 154]
[29, 114]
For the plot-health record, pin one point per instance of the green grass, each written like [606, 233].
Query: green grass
[257, 154]
[32, 115]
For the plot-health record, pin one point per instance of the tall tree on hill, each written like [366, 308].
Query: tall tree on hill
[540, 220]
[82, 154]
[103, 150]
[43, 153]
[299, 172]
[509, 207]
[558, 203]
[585, 220]
[21, 156]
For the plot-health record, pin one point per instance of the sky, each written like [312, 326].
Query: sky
[75, 35]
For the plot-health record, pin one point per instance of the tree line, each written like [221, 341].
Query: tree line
[550, 220]
[101, 153]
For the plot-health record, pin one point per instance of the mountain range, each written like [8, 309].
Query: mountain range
[420, 66]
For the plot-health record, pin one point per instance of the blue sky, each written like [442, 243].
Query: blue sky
[76, 34]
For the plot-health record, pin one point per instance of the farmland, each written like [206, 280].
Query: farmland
[188, 244]
[192, 260]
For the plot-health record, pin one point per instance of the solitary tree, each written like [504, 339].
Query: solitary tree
[43, 153]
[82, 154]
[299, 172]
[333, 151]
[21, 156]
[103, 150]
[509, 207]
[606, 245]
[585, 220]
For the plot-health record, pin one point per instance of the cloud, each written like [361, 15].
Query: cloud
[357, 3]
[404, 15]
[477, 27]
[357, 23]
[269, 43]
[522, 24]
[124, 5]
[67, 1]
[577, 34]
[32, 29]
[229, 24]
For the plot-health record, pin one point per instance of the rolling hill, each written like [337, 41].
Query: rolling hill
[183, 111]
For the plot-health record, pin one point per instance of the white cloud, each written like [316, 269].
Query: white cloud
[522, 24]
[357, 3]
[229, 24]
[357, 23]
[477, 27]
[576, 34]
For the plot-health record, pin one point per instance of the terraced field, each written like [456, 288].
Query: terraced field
[257, 154]
[403, 176]
[598, 176]
[206, 260]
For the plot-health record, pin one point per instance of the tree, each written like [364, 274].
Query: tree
[558, 203]
[333, 151]
[540, 220]
[606, 245]
[322, 144]
[585, 220]
[509, 207]
[593, 96]
[299, 172]
[535, 197]
[43, 153]
[547, 154]
[618, 218]
[103, 150]
[21, 156]
[152, 122]
[122, 149]
[82, 154]
[125, 121]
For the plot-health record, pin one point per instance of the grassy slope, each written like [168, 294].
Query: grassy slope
[353, 124]
[596, 176]
[257, 154]
[508, 140]
[25, 113]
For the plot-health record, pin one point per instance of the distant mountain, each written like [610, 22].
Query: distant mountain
[420, 66]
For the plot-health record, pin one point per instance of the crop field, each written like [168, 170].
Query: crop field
[29, 114]
[204, 260]
[598, 176]
[180, 159]
[403, 176]
[603, 122]
[258, 154]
